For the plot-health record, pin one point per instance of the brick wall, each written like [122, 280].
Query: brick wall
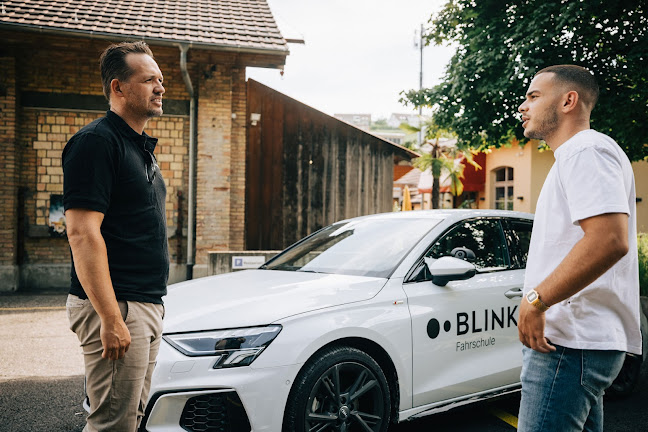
[71, 65]
[44, 134]
[237, 163]
[213, 161]
[221, 142]
[53, 130]
[42, 64]
[9, 169]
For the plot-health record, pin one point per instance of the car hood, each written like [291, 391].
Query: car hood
[256, 297]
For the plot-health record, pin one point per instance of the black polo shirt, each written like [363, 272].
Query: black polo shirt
[105, 170]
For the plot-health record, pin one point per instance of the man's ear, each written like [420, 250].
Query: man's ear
[570, 101]
[115, 87]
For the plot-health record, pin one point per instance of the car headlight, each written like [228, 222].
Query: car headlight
[235, 347]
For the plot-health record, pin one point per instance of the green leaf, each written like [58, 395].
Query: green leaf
[501, 44]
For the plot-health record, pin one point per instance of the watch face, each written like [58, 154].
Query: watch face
[532, 296]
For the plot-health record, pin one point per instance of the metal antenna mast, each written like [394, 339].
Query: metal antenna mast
[419, 43]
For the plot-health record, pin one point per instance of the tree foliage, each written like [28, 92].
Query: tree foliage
[380, 124]
[503, 43]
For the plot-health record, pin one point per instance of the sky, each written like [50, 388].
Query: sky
[358, 56]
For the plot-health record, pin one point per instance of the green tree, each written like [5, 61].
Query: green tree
[642, 244]
[411, 144]
[501, 44]
[380, 124]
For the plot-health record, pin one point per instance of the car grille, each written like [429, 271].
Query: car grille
[215, 412]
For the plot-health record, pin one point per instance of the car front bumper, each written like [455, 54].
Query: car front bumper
[181, 383]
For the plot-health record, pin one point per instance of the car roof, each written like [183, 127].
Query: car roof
[443, 214]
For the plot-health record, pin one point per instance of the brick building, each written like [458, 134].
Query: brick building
[50, 87]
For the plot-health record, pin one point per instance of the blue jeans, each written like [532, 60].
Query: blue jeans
[563, 391]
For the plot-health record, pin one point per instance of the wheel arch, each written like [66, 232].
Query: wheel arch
[378, 353]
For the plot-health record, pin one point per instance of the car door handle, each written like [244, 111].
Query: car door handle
[514, 292]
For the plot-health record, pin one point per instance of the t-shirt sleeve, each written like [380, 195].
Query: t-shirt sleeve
[593, 182]
[89, 172]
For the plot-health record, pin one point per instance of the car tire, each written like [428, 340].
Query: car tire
[339, 389]
[628, 378]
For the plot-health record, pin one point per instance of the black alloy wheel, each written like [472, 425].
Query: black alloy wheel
[343, 389]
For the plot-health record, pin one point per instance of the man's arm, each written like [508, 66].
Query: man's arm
[91, 265]
[605, 242]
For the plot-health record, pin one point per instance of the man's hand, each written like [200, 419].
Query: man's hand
[115, 338]
[605, 242]
[531, 324]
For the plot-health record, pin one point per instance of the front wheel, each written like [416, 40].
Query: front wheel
[341, 389]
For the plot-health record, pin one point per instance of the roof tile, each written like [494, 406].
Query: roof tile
[224, 23]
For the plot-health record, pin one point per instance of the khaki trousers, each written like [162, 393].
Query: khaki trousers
[117, 389]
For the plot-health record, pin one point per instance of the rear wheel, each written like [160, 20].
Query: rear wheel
[341, 389]
[628, 378]
[626, 382]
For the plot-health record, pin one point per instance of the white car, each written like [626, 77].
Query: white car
[369, 321]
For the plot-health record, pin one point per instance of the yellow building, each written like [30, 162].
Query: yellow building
[515, 175]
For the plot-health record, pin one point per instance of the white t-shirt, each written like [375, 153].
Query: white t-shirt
[591, 176]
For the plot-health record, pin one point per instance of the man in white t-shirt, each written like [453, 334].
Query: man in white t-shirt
[580, 310]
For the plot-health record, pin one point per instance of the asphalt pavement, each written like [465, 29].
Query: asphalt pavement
[41, 380]
[41, 365]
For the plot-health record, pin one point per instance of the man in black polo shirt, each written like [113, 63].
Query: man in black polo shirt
[114, 198]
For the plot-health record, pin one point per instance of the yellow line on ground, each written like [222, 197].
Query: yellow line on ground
[32, 308]
[505, 417]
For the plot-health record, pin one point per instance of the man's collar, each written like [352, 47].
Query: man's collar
[146, 142]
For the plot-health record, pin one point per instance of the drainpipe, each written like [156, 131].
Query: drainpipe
[191, 208]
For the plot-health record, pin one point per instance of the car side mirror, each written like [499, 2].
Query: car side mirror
[446, 269]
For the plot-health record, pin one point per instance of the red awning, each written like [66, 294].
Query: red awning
[401, 170]
[474, 179]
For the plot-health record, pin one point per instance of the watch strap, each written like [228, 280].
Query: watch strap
[534, 299]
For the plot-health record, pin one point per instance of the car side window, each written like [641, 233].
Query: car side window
[520, 238]
[479, 241]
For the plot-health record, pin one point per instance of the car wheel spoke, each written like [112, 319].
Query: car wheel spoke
[321, 422]
[336, 383]
[368, 418]
[358, 419]
[346, 397]
[321, 427]
[329, 386]
[358, 383]
[330, 418]
[368, 386]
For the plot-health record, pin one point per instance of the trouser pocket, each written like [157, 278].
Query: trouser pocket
[600, 368]
[75, 308]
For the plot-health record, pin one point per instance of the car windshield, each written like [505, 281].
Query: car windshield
[365, 247]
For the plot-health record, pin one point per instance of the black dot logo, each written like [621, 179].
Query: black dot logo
[433, 328]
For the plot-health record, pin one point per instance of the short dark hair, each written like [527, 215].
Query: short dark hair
[113, 62]
[580, 78]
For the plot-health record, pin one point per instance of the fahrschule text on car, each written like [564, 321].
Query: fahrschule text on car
[369, 321]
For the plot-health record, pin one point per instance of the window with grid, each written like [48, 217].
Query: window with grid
[504, 188]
